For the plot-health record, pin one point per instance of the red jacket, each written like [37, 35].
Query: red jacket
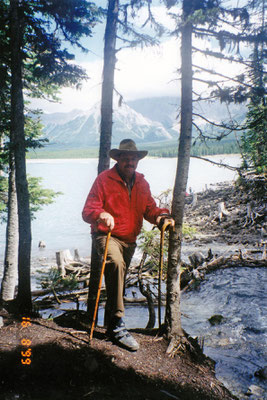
[109, 193]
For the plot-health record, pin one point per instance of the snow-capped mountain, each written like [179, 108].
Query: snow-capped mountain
[82, 128]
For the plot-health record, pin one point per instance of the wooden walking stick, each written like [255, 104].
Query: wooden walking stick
[100, 284]
[163, 228]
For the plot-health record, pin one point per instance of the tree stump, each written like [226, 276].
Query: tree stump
[63, 258]
[222, 211]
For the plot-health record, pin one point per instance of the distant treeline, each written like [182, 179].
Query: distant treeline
[160, 149]
[200, 149]
[59, 153]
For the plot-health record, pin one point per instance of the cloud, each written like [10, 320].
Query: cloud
[72, 98]
[147, 72]
[139, 73]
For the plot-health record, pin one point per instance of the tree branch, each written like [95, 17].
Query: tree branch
[220, 164]
[223, 76]
[234, 127]
[223, 57]
[231, 36]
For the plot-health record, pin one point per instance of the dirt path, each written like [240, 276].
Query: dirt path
[64, 365]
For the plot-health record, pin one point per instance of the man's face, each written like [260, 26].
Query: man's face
[127, 165]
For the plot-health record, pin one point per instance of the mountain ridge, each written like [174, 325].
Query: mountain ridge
[82, 127]
[145, 120]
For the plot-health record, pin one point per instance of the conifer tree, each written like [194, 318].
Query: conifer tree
[117, 21]
[38, 65]
[119, 31]
[210, 20]
[108, 84]
[254, 137]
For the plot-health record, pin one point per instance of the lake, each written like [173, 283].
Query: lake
[60, 224]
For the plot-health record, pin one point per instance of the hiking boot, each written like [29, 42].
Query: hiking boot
[120, 336]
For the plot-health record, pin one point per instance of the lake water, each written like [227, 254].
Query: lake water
[60, 224]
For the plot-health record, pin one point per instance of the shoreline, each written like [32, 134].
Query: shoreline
[37, 160]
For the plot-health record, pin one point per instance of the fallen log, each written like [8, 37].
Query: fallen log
[235, 261]
[60, 296]
[214, 264]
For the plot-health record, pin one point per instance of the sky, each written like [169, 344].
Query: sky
[140, 73]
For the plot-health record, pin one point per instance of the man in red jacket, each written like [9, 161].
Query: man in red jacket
[118, 201]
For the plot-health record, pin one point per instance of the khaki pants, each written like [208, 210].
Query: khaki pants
[118, 260]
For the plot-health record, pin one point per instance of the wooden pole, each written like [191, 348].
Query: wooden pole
[100, 284]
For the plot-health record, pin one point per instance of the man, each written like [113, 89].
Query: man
[118, 201]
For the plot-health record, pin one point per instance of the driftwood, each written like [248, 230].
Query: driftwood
[146, 291]
[264, 252]
[194, 273]
[50, 299]
[68, 264]
[63, 257]
[222, 211]
[75, 296]
[139, 275]
[194, 200]
[252, 215]
[76, 255]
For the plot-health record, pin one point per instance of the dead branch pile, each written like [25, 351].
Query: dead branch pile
[200, 265]
[230, 214]
[67, 264]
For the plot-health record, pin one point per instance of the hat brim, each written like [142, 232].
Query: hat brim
[116, 153]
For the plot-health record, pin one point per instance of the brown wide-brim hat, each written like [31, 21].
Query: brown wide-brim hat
[127, 146]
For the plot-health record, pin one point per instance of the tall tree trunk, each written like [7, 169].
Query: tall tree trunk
[24, 302]
[105, 130]
[11, 250]
[173, 312]
[108, 85]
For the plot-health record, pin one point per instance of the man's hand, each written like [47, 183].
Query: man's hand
[163, 219]
[107, 219]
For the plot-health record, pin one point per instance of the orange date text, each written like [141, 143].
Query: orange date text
[26, 343]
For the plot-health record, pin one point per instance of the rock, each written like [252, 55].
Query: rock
[224, 342]
[216, 319]
[261, 373]
[196, 259]
[1, 322]
[185, 278]
[256, 391]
